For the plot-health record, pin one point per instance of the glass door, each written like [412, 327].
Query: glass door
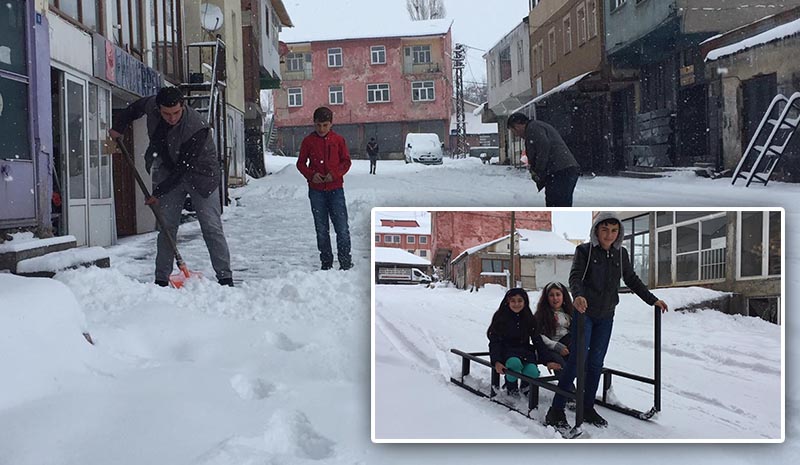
[101, 203]
[75, 157]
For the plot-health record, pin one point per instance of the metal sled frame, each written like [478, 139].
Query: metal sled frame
[546, 382]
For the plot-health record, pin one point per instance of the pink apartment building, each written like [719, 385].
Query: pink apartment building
[382, 84]
[406, 234]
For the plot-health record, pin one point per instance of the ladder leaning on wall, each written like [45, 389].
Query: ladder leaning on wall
[770, 140]
[205, 92]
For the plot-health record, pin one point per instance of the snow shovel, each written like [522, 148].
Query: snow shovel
[176, 279]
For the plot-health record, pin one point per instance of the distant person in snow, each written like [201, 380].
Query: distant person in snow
[372, 151]
[323, 161]
[514, 341]
[594, 279]
[553, 316]
[183, 159]
[550, 162]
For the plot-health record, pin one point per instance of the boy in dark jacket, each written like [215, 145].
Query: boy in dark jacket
[593, 280]
[184, 160]
[323, 161]
[550, 162]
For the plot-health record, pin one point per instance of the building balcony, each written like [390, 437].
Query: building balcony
[422, 68]
[303, 75]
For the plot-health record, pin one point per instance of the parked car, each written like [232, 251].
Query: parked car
[486, 154]
[424, 148]
[388, 275]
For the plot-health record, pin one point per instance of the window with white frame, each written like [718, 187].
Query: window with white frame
[336, 95]
[294, 62]
[591, 23]
[505, 64]
[377, 55]
[423, 240]
[696, 244]
[334, 57]
[540, 61]
[551, 38]
[422, 91]
[759, 244]
[421, 54]
[410, 239]
[567, 26]
[295, 96]
[423, 253]
[534, 67]
[616, 4]
[377, 238]
[396, 239]
[520, 57]
[580, 15]
[377, 93]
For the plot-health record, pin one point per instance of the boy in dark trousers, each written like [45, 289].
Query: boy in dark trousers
[593, 280]
[372, 151]
[550, 162]
[323, 161]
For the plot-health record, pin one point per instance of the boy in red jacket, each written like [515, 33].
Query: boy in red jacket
[324, 160]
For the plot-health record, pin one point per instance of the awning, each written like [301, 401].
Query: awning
[267, 80]
[559, 88]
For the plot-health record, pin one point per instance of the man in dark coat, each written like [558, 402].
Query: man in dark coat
[550, 162]
[183, 160]
[372, 151]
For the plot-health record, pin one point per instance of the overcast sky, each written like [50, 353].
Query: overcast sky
[476, 23]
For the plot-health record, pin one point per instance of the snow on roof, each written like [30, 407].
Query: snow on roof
[559, 88]
[424, 223]
[532, 243]
[473, 121]
[776, 33]
[479, 109]
[343, 30]
[395, 255]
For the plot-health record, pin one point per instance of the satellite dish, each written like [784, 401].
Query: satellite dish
[211, 17]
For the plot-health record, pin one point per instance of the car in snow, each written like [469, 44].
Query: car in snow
[424, 148]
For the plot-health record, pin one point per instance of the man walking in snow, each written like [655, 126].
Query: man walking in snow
[594, 278]
[183, 159]
[550, 162]
[372, 151]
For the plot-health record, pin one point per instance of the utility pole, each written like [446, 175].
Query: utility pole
[459, 56]
[511, 267]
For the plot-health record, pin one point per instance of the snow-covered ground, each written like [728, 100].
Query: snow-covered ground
[277, 370]
[415, 328]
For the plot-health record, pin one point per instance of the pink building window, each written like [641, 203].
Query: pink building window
[378, 55]
[377, 93]
[336, 95]
[422, 91]
[295, 96]
[335, 57]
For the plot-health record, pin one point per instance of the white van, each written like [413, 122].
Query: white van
[395, 275]
[423, 148]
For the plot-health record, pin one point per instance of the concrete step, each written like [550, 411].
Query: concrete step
[46, 266]
[640, 174]
[22, 248]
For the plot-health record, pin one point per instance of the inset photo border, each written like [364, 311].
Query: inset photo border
[688, 347]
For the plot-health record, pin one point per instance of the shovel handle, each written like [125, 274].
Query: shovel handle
[154, 207]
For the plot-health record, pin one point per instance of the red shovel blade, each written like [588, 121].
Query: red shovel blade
[177, 280]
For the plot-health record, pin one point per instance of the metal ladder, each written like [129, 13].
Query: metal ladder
[770, 140]
[207, 95]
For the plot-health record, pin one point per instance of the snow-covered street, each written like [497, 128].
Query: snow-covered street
[277, 369]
